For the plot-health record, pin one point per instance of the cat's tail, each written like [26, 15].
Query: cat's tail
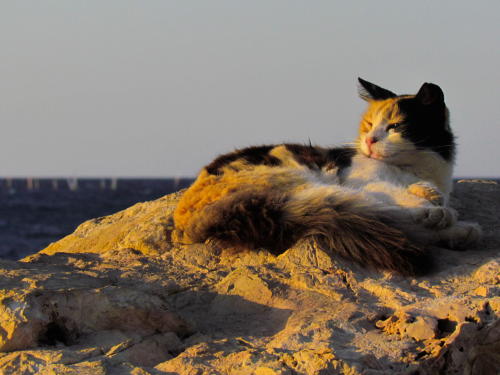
[339, 221]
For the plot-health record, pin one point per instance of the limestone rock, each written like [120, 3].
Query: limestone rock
[119, 297]
[143, 227]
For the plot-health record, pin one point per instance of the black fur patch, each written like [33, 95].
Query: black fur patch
[253, 155]
[317, 158]
[370, 91]
[371, 243]
[426, 126]
[340, 157]
[247, 219]
[310, 156]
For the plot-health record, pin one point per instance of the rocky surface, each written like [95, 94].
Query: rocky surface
[118, 297]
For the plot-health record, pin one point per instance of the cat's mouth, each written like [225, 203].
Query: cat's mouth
[379, 156]
[373, 154]
[376, 155]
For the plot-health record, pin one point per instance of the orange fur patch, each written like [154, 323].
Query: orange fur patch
[381, 110]
[209, 188]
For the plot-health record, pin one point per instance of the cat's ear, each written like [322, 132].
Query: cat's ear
[429, 94]
[369, 91]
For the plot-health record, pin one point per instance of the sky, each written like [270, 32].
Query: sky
[158, 88]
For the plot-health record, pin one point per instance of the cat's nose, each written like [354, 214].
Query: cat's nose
[371, 140]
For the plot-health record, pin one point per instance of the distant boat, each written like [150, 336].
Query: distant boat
[177, 182]
[72, 184]
[9, 184]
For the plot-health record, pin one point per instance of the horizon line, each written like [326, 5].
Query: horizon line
[89, 177]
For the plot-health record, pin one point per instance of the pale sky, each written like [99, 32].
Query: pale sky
[158, 88]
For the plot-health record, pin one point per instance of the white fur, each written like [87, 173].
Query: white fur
[386, 186]
[391, 181]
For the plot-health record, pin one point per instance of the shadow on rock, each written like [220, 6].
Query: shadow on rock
[229, 316]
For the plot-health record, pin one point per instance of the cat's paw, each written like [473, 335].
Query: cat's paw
[428, 192]
[436, 217]
[461, 236]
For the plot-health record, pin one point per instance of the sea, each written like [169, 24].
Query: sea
[35, 212]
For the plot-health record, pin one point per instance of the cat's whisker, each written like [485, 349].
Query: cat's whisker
[351, 143]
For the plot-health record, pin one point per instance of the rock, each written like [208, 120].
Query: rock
[419, 328]
[119, 297]
[63, 313]
[488, 273]
[472, 349]
[423, 328]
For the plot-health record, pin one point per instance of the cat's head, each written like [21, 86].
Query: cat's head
[397, 129]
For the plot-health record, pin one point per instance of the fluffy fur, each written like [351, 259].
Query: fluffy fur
[377, 203]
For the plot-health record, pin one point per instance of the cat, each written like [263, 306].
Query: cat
[378, 202]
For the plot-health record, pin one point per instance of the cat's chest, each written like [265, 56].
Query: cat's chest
[364, 171]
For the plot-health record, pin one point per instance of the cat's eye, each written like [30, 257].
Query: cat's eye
[393, 126]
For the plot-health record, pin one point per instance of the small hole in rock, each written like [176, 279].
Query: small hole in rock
[445, 327]
[410, 319]
[470, 319]
[54, 333]
[421, 354]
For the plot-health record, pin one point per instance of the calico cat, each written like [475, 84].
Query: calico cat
[378, 202]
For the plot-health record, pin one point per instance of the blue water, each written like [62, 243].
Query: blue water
[36, 212]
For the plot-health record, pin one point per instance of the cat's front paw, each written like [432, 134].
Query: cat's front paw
[436, 217]
[461, 236]
[428, 192]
